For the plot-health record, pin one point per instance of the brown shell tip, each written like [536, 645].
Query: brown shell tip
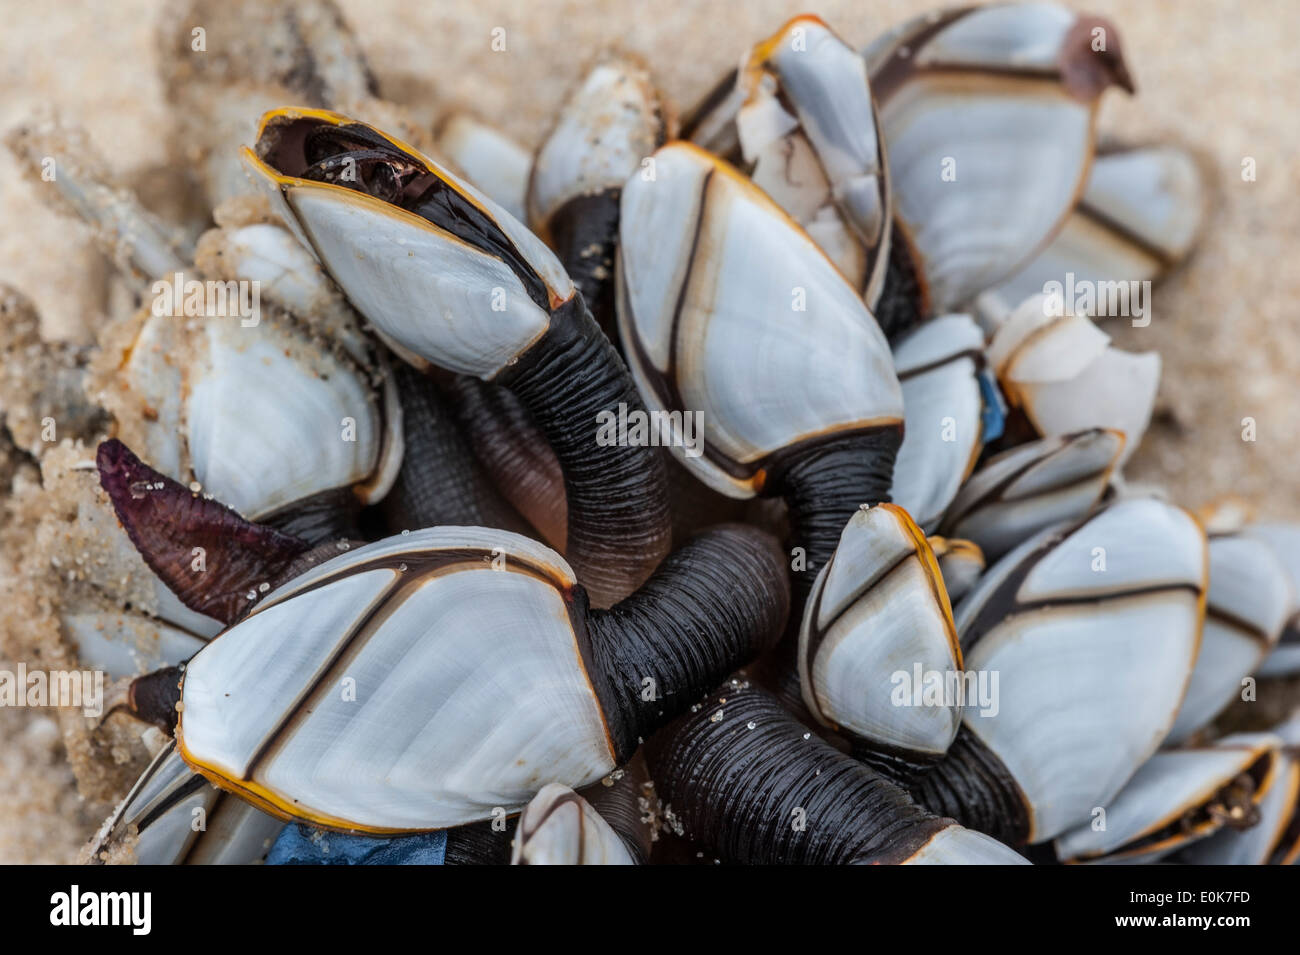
[1092, 58]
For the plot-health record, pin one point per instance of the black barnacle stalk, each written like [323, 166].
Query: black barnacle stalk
[744, 778]
[441, 480]
[449, 278]
[734, 320]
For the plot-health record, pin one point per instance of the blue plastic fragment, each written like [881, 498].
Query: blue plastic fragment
[993, 416]
[307, 845]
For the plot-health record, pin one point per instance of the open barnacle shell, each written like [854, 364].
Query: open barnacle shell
[1177, 797]
[878, 610]
[938, 365]
[1093, 630]
[1062, 372]
[488, 158]
[1284, 540]
[1248, 603]
[1142, 211]
[988, 120]
[1275, 838]
[799, 116]
[449, 277]
[1021, 491]
[752, 784]
[430, 241]
[712, 274]
[559, 827]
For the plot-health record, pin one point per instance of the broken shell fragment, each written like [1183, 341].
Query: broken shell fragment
[799, 116]
[1063, 373]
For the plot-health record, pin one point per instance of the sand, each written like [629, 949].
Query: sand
[1212, 75]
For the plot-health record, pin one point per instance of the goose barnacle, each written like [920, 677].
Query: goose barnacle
[877, 611]
[608, 126]
[987, 114]
[938, 365]
[559, 827]
[1094, 630]
[727, 308]
[1140, 215]
[1178, 797]
[1019, 492]
[310, 721]
[406, 240]
[1247, 605]
[1275, 838]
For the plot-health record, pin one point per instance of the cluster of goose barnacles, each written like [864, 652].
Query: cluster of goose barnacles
[370, 589]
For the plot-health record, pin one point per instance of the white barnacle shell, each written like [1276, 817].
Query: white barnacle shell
[163, 806]
[488, 158]
[938, 365]
[420, 682]
[256, 414]
[1275, 839]
[987, 115]
[559, 827]
[422, 288]
[607, 127]
[878, 619]
[1139, 216]
[1061, 370]
[1284, 539]
[1093, 633]
[728, 309]
[1248, 603]
[1163, 807]
[1017, 493]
